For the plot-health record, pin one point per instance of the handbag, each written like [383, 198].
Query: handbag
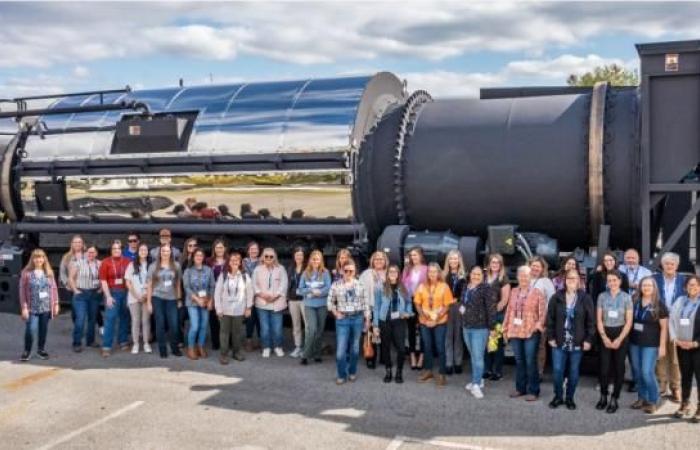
[367, 346]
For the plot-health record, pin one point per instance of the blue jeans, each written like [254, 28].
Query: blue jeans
[433, 340]
[527, 378]
[199, 322]
[165, 311]
[347, 342]
[120, 310]
[476, 339]
[85, 307]
[494, 360]
[644, 364]
[270, 328]
[36, 324]
[315, 323]
[560, 358]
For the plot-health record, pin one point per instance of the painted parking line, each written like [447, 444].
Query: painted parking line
[27, 380]
[398, 441]
[88, 427]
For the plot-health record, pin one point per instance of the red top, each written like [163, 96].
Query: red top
[112, 271]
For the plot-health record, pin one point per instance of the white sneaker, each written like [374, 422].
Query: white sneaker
[266, 353]
[476, 392]
[279, 352]
[147, 348]
[102, 331]
[135, 349]
[469, 386]
[296, 353]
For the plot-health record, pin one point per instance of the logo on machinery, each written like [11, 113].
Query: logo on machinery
[134, 130]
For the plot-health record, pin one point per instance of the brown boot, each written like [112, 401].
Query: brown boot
[202, 351]
[223, 359]
[426, 375]
[192, 353]
[683, 410]
[248, 346]
[696, 417]
[441, 380]
[649, 408]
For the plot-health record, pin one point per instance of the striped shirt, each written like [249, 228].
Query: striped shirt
[87, 274]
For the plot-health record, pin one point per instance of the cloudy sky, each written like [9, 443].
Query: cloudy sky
[449, 48]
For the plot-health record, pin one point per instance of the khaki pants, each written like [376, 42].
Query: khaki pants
[140, 322]
[667, 370]
[231, 327]
[296, 311]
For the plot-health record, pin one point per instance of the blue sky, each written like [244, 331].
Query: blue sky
[449, 48]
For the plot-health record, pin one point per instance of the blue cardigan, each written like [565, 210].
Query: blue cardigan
[382, 305]
[307, 284]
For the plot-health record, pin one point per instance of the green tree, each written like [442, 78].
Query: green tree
[616, 75]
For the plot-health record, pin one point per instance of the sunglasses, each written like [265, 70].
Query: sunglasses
[133, 240]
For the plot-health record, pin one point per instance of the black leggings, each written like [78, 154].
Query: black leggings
[412, 323]
[614, 359]
[393, 333]
[689, 362]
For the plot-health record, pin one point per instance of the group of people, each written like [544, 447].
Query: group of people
[421, 312]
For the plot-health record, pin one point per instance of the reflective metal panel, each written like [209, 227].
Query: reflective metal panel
[317, 194]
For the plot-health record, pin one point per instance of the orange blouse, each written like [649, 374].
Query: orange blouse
[431, 298]
[525, 314]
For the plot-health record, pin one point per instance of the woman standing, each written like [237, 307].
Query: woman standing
[497, 278]
[598, 282]
[455, 277]
[477, 307]
[250, 262]
[414, 274]
[186, 260]
[685, 333]
[270, 289]
[614, 318]
[75, 253]
[343, 257]
[295, 301]
[198, 281]
[233, 299]
[112, 271]
[38, 300]
[136, 282]
[314, 286]
[392, 306]
[347, 302]
[433, 299]
[647, 342]
[569, 263]
[523, 327]
[217, 262]
[373, 280]
[570, 330]
[163, 294]
[84, 282]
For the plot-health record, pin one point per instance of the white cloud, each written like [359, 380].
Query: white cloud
[81, 72]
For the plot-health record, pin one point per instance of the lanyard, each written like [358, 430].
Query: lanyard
[431, 293]
[236, 279]
[269, 279]
[640, 312]
[570, 310]
[520, 304]
[454, 281]
[199, 285]
[42, 282]
[633, 278]
[467, 295]
[118, 272]
[691, 310]
[673, 295]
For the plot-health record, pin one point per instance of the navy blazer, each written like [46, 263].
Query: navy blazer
[680, 287]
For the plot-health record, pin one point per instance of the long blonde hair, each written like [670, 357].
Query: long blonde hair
[487, 267]
[37, 252]
[379, 254]
[321, 268]
[655, 297]
[65, 259]
[461, 272]
[346, 252]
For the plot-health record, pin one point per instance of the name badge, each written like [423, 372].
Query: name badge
[119, 281]
[43, 294]
[613, 314]
[517, 321]
[639, 326]
[462, 309]
[202, 294]
[395, 315]
[347, 309]
[685, 322]
[167, 283]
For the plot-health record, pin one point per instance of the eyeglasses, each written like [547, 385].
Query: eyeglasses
[349, 270]
[191, 245]
[133, 240]
[268, 256]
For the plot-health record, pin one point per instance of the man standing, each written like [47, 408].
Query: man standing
[133, 241]
[165, 239]
[634, 271]
[671, 287]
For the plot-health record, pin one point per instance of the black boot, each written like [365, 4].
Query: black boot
[612, 407]
[602, 403]
[449, 370]
[399, 377]
[388, 377]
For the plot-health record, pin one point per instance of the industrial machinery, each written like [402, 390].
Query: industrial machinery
[359, 162]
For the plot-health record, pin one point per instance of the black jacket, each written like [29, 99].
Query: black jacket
[456, 285]
[584, 318]
[293, 284]
[480, 311]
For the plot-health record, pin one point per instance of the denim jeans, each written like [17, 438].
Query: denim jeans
[433, 340]
[165, 311]
[199, 322]
[560, 360]
[644, 370]
[36, 324]
[85, 307]
[270, 328]
[314, 324]
[347, 338]
[527, 378]
[494, 360]
[476, 339]
[118, 310]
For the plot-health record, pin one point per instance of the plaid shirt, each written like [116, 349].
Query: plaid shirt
[348, 299]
